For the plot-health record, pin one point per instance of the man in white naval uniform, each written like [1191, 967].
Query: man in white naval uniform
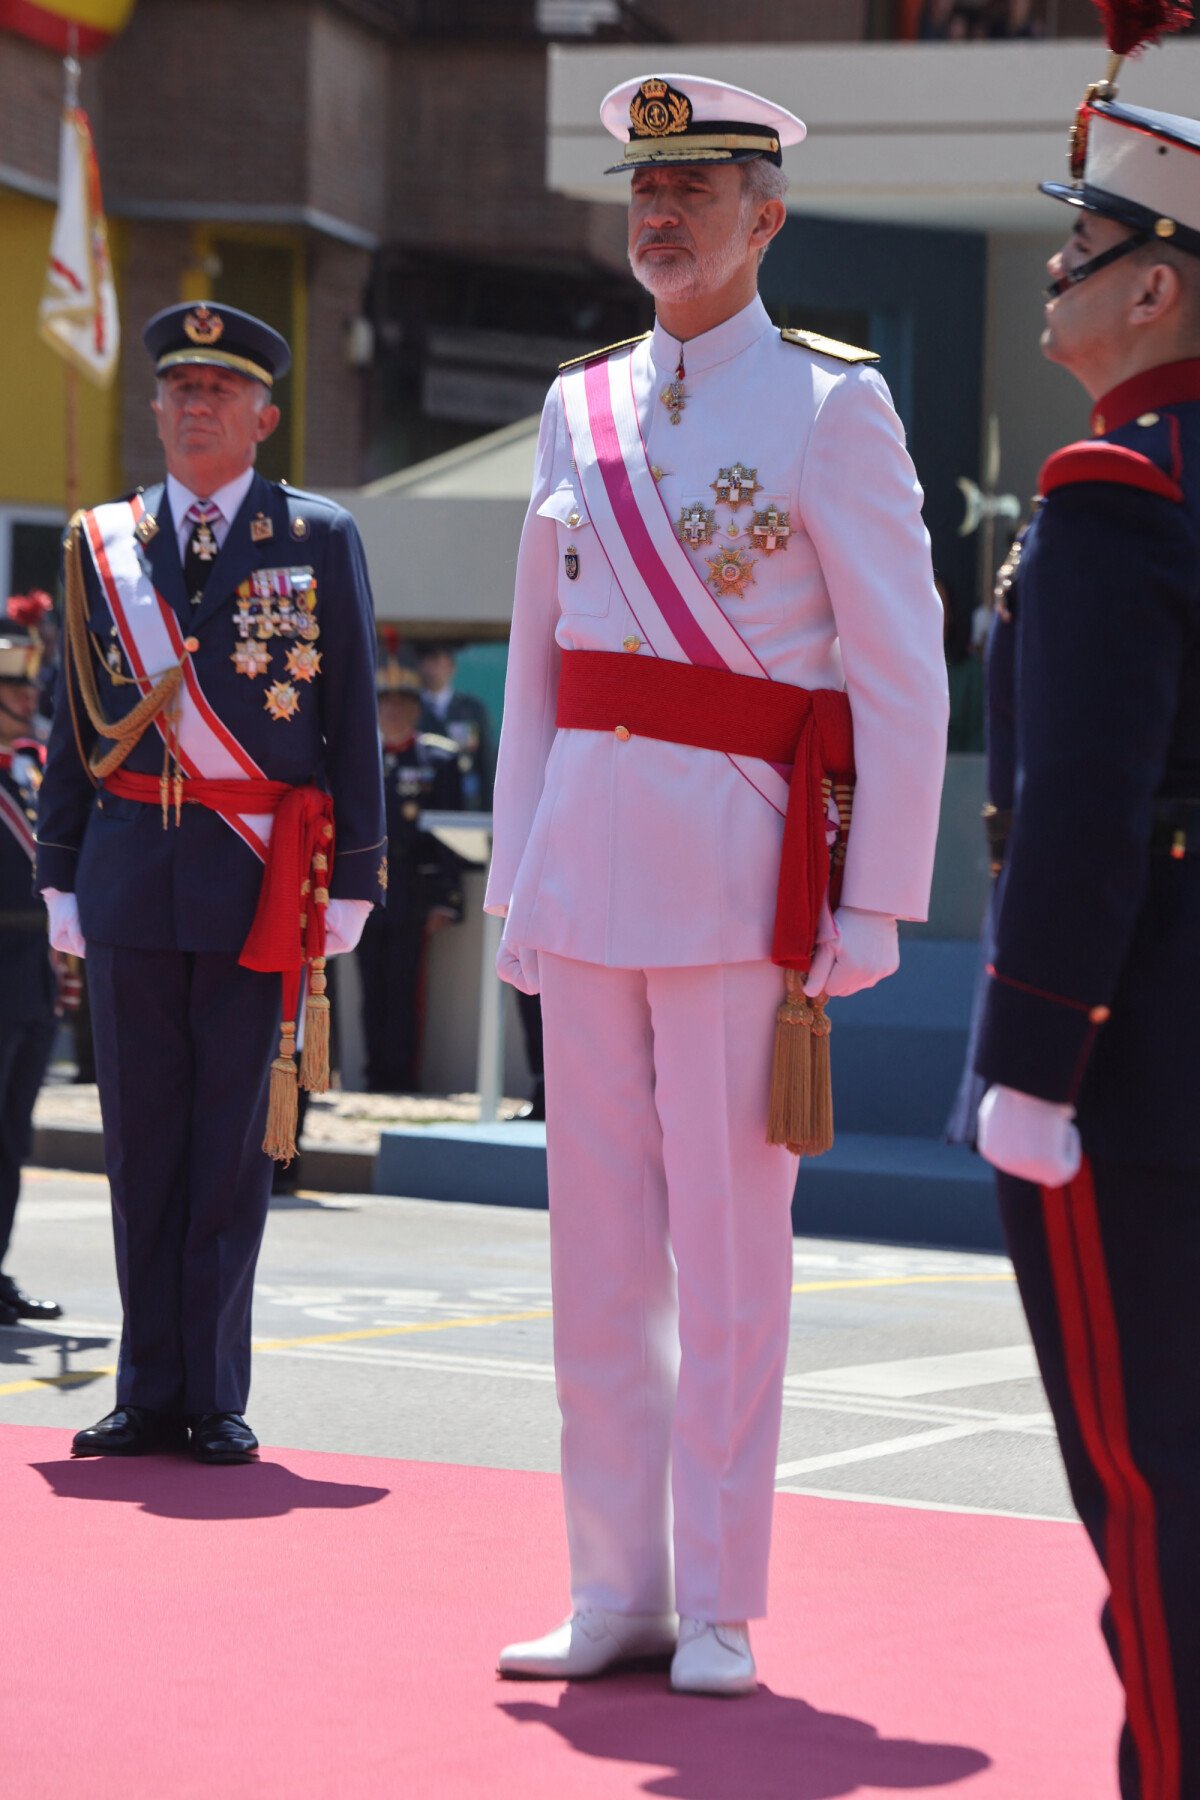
[723, 495]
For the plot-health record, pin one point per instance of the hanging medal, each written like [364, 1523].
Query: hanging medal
[674, 395]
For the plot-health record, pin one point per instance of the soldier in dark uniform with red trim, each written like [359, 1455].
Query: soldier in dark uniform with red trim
[27, 984]
[1086, 1044]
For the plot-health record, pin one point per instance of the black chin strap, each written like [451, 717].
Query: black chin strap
[1096, 264]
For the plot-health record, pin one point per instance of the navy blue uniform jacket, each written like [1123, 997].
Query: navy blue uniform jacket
[195, 887]
[1092, 994]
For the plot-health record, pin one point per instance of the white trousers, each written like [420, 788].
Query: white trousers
[671, 1265]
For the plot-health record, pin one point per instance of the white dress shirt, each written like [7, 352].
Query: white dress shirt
[229, 498]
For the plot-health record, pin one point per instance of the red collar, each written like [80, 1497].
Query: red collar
[1167, 385]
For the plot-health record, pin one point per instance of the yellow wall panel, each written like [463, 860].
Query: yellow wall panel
[32, 377]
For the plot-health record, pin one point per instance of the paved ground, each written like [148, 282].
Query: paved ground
[414, 1329]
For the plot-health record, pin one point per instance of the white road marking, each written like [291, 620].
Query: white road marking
[946, 1506]
[916, 1440]
[911, 1375]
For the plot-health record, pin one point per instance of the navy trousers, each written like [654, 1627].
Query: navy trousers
[184, 1042]
[1109, 1273]
[24, 1054]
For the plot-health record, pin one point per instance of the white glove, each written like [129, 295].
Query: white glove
[1035, 1140]
[864, 950]
[518, 965]
[65, 933]
[344, 921]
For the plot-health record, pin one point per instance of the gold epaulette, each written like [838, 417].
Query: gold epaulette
[573, 362]
[823, 346]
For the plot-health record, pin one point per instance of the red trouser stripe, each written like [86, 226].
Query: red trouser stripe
[1092, 1353]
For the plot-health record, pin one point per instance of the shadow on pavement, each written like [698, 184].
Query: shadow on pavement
[18, 1344]
[174, 1487]
[767, 1745]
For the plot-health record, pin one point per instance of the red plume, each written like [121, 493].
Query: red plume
[1130, 25]
[27, 609]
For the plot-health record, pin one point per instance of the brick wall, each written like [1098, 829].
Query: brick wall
[154, 260]
[31, 95]
[335, 399]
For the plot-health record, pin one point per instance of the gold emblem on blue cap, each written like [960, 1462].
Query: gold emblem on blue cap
[659, 110]
[203, 326]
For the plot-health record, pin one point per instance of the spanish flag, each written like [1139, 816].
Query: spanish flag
[67, 26]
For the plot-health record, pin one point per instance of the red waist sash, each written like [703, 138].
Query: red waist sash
[742, 715]
[289, 921]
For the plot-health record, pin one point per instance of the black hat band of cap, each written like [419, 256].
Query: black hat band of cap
[1125, 212]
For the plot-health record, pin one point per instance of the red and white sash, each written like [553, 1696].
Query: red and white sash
[13, 816]
[679, 619]
[153, 643]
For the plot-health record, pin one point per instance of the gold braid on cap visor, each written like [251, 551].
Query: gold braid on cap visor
[707, 146]
[222, 358]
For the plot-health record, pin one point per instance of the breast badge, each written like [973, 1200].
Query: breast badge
[282, 700]
[770, 531]
[251, 658]
[736, 485]
[261, 529]
[571, 563]
[730, 571]
[146, 529]
[695, 525]
[303, 662]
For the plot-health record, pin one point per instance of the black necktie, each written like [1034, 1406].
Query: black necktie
[202, 547]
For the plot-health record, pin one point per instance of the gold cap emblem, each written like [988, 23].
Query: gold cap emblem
[203, 326]
[658, 110]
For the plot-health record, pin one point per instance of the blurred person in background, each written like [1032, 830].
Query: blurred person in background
[28, 988]
[450, 714]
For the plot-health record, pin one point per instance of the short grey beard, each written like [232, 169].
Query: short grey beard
[689, 279]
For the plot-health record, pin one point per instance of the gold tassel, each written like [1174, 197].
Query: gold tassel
[282, 1103]
[801, 1107]
[314, 1058]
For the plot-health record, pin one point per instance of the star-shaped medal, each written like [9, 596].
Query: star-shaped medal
[303, 662]
[251, 658]
[730, 571]
[770, 531]
[736, 485]
[696, 524]
[282, 700]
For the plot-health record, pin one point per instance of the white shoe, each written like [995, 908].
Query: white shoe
[713, 1659]
[589, 1642]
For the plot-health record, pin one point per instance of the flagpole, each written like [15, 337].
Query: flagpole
[71, 71]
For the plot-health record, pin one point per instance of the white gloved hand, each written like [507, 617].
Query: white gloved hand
[865, 950]
[1035, 1140]
[518, 965]
[65, 932]
[344, 921]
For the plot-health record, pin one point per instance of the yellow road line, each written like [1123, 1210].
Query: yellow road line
[75, 1377]
[871, 1281]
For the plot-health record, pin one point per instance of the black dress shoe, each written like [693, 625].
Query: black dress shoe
[223, 1437]
[20, 1304]
[131, 1431]
[9, 1314]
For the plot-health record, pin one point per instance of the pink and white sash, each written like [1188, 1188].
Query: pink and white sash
[679, 619]
[153, 643]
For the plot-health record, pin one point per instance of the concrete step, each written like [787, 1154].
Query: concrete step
[886, 1189]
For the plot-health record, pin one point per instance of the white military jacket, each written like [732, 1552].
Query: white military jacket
[637, 853]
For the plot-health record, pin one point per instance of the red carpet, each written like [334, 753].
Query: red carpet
[323, 1628]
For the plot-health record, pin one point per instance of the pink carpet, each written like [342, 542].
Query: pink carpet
[323, 1628]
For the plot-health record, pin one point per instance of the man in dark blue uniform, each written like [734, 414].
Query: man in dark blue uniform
[421, 773]
[1086, 1045]
[448, 713]
[27, 983]
[214, 740]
